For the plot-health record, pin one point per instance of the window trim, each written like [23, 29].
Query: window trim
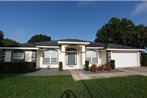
[23, 60]
[91, 61]
[50, 61]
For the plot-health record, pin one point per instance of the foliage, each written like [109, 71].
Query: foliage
[122, 31]
[39, 38]
[1, 37]
[113, 64]
[105, 67]
[9, 42]
[17, 67]
[86, 65]
[54, 87]
[60, 66]
[144, 59]
[93, 68]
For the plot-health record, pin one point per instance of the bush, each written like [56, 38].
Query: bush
[93, 68]
[86, 65]
[108, 66]
[143, 59]
[17, 67]
[60, 66]
[113, 64]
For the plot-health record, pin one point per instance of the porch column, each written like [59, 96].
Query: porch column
[83, 56]
[62, 55]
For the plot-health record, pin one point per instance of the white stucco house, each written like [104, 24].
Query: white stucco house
[72, 53]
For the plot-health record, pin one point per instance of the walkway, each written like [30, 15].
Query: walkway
[85, 75]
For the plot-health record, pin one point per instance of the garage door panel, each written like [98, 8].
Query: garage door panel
[125, 59]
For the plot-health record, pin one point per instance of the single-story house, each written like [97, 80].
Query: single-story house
[72, 53]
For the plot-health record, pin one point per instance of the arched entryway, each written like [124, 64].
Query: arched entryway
[71, 57]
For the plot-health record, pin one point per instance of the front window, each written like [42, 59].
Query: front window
[50, 57]
[91, 56]
[18, 56]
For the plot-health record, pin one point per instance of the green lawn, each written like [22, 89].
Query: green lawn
[54, 86]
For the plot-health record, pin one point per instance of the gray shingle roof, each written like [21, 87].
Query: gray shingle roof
[73, 40]
[95, 44]
[45, 43]
[117, 46]
[92, 44]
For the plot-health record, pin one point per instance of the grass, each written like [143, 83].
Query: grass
[54, 86]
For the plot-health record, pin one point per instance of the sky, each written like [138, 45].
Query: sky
[20, 20]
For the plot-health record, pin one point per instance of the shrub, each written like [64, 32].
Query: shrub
[102, 67]
[86, 65]
[93, 68]
[60, 66]
[113, 64]
[108, 66]
[17, 67]
[105, 67]
[144, 59]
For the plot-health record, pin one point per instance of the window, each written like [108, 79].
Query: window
[50, 57]
[33, 56]
[91, 56]
[18, 56]
[108, 56]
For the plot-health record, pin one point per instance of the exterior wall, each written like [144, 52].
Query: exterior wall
[28, 56]
[8, 55]
[62, 57]
[103, 57]
[80, 56]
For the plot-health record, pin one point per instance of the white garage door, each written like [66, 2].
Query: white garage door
[125, 59]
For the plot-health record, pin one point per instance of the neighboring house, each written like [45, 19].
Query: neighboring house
[72, 53]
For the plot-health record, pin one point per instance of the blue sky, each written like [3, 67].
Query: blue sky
[74, 19]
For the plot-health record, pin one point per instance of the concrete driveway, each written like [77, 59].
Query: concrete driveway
[81, 75]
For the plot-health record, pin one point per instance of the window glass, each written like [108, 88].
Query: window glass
[17, 56]
[91, 56]
[50, 57]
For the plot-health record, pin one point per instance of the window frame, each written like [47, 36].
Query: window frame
[91, 61]
[50, 56]
[17, 60]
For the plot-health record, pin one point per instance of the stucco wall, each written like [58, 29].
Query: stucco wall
[28, 56]
[8, 55]
[102, 57]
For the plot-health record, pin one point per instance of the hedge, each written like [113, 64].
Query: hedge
[144, 59]
[17, 67]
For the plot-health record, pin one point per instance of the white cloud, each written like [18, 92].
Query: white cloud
[140, 8]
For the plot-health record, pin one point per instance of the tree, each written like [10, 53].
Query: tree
[9, 42]
[1, 37]
[122, 31]
[39, 38]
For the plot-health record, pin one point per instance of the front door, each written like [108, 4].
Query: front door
[71, 58]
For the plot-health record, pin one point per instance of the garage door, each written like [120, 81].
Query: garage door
[125, 59]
